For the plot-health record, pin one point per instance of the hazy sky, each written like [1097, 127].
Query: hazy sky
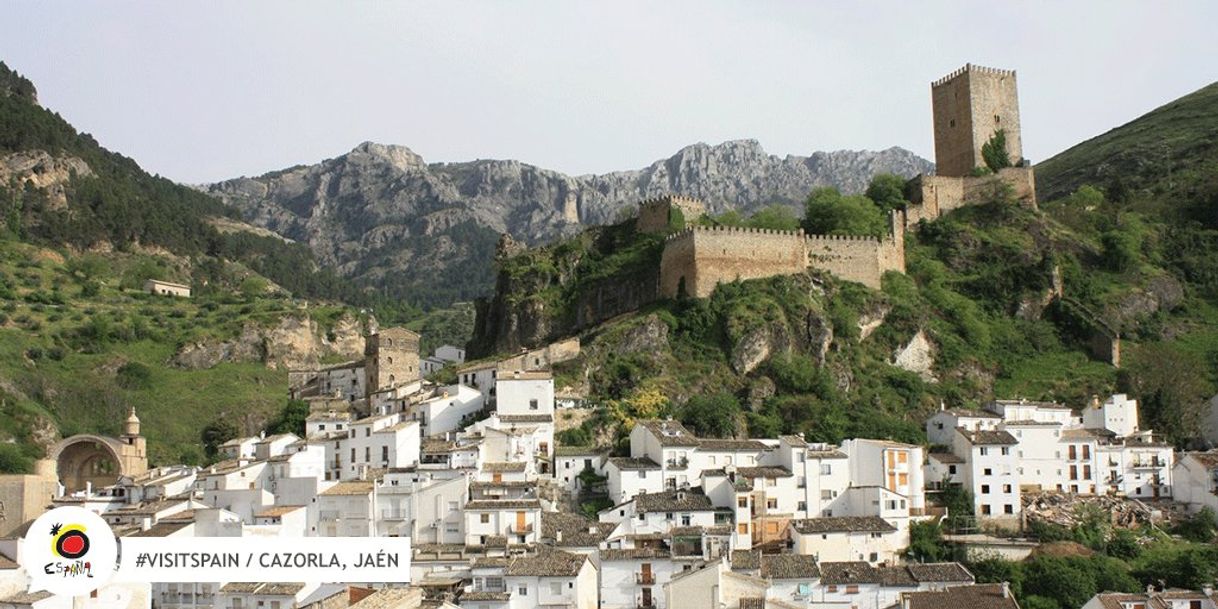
[202, 91]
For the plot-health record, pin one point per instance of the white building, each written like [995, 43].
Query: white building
[571, 461]
[446, 411]
[1195, 477]
[517, 520]
[849, 538]
[632, 578]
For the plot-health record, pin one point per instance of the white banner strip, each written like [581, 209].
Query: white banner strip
[264, 559]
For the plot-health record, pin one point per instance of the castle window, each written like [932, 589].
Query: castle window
[952, 123]
[997, 119]
[389, 360]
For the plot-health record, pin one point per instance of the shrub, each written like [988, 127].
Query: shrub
[995, 151]
[134, 376]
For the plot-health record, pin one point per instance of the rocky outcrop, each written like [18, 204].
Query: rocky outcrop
[380, 208]
[50, 174]
[648, 336]
[294, 342]
[917, 356]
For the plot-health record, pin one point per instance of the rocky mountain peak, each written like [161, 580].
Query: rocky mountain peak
[399, 157]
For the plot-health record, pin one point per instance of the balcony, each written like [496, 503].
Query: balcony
[682, 463]
[518, 529]
[394, 515]
[1154, 463]
[327, 516]
[645, 579]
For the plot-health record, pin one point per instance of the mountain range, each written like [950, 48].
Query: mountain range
[425, 231]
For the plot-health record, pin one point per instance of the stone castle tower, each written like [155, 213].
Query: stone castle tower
[391, 356]
[969, 105]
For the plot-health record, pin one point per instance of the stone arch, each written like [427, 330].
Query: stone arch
[87, 459]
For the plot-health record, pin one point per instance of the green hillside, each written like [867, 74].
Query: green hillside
[1137, 256]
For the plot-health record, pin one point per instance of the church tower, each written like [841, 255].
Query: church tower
[969, 106]
[132, 448]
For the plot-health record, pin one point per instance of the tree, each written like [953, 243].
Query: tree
[1200, 527]
[774, 217]
[926, 543]
[1069, 581]
[1172, 385]
[291, 418]
[829, 213]
[994, 152]
[887, 191]
[711, 416]
[216, 433]
[13, 460]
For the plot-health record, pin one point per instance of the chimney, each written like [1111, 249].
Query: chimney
[356, 594]
[1150, 589]
[1006, 589]
[1095, 401]
[558, 536]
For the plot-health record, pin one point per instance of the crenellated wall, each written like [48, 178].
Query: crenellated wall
[655, 214]
[934, 196]
[701, 257]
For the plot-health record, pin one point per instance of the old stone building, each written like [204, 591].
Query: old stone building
[86, 460]
[970, 105]
[661, 214]
[391, 356]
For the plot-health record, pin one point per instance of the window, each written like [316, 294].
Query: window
[384, 453]
[484, 518]
[367, 454]
[852, 589]
[686, 520]
[771, 528]
[1006, 450]
[555, 588]
[985, 509]
[984, 451]
[321, 427]
[826, 469]
[771, 504]
[522, 590]
[368, 431]
[804, 589]
[1008, 509]
[985, 489]
[742, 502]
[832, 588]
[1006, 488]
[532, 404]
[353, 454]
[987, 472]
[668, 516]
[743, 528]
[951, 469]
[802, 506]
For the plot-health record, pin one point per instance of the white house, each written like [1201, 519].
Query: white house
[629, 476]
[632, 578]
[571, 461]
[551, 578]
[869, 539]
[518, 520]
[1195, 477]
[446, 411]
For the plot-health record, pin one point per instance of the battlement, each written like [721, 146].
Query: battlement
[968, 67]
[688, 231]
[655, 213]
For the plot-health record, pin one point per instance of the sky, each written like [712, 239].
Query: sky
[205, 91]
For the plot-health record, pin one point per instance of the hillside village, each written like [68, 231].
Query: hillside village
[501, 515]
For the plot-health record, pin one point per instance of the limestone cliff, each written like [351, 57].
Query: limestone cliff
[292, 342]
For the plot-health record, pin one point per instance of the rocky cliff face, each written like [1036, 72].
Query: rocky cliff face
[293, 342]
[380, 213]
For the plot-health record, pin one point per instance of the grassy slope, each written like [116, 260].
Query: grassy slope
[1146, 152]
[61, 351]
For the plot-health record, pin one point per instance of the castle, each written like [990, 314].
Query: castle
[970, 106]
